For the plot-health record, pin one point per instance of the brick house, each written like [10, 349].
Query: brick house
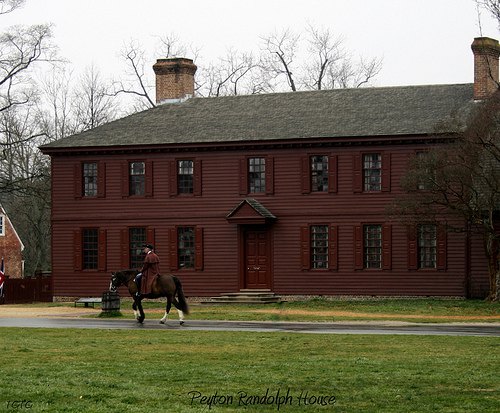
[285, 192]
[11, 247]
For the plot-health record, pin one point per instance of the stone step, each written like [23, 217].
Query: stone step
[240, 302]
[253, 292]
[245, 297]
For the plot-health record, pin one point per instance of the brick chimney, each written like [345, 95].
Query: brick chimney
[486, 52]
[174, 79]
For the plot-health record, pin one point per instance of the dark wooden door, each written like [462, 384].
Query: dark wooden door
[257, 262]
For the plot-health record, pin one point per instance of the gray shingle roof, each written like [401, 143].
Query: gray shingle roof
[385, 111]
[256, 205]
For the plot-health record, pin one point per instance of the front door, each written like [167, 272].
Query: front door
[257, 259]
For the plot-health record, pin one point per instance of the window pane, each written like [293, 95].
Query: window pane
[319, 173]
[185, 177]
[257, 175]
[425, 175]
[90, 249]
[373, 246]
[185, 247]
[319, 246]
[372, 172]
[90, 179]
[2, 225]
[137, 178]
[137, 238]
[427, 246]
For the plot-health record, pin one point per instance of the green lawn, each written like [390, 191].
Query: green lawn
[425, 310]
[323, 310]
[181, 371]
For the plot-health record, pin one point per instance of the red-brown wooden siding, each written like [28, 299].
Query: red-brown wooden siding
[221, 186]
[479, 280]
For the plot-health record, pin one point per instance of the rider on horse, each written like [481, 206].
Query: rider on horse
[150, 269]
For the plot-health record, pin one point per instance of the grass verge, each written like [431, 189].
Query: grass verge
[182, 371]
[323, 310]
[428, 310]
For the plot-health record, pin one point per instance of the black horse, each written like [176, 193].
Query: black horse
[163, 286]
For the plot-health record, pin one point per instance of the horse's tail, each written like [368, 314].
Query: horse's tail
[180, 295]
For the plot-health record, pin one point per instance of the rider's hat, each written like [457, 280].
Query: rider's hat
[148, 246]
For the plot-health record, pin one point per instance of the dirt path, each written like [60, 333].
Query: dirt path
[20, 311]
[381, 315]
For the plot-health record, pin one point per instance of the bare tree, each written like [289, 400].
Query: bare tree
[25, 182]
[137, 83]
[55, 104]
[19, 157]
[24, 171]
[61, 108]
[21, 48]
[279, 66]
[367, 70]
[461, 179]
[228, 76]
[8, 6]
[280, 53]
[171, 45]
[325, 51]
[32, 221]
[93, 102]
[492, 6]
[327, 64]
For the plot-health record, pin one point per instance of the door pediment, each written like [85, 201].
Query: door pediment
[250, 212]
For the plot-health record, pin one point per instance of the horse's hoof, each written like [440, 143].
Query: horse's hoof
[162, 322]
[181, 323]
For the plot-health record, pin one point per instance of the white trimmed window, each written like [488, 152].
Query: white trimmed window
[2, 225]
[372, 172]
[372, 246]
[427, 246]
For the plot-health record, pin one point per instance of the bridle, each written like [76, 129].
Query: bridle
[114, 283]
[121, 278]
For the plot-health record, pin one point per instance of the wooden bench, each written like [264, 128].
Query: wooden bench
[88, 300]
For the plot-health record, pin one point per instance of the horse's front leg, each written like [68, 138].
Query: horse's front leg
[167, 310]
[138, 311]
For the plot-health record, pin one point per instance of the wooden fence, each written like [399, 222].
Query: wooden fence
[28, 290]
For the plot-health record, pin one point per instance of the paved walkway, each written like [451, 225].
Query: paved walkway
[455, 329]
[81, 317]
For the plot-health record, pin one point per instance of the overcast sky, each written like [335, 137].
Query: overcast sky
[420, 41]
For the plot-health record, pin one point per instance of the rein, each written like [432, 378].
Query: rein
[123, 278]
